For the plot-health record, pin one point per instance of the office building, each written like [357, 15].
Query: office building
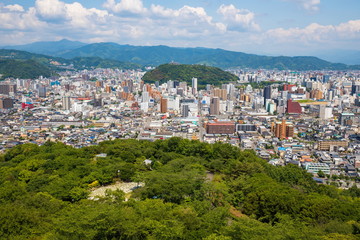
[215, 106]
[42, 91]
[194, 85]
[185, 110]
[267, 93]
[163, 105]
[66, 103]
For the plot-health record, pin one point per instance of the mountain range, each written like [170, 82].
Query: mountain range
[157, 55]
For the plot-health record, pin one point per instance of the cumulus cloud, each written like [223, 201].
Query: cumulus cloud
[317, 33]
[309, 5]
[238, 19]
[128, 21]
[14, 8]
[50, 9]
[131, 6]
[13, 17]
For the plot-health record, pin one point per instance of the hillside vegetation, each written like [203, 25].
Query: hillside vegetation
[192, 190]
[23, 69]
[182, 72]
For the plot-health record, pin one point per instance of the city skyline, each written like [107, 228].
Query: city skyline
[276, 27]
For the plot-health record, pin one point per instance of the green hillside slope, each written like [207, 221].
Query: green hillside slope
[23, 69]
[191, 190]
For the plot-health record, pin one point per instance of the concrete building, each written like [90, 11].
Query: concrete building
[220, 127]
[325, 145]
[215, 106]
[6, 103]
[325, 112]
[163, 105]
[194, 85]
[282, 129]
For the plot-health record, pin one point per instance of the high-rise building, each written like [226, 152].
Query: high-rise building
[66, 103]
[220, 93]
[42, 91]
[163, 105]
[215, 106]
[185, 110]
[282, 129]
[267, 93]
[194, 85]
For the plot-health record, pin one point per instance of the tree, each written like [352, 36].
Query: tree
[321, 174]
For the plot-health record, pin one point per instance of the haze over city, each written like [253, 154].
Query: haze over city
[273, 27]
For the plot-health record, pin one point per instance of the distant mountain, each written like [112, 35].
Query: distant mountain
[23, 69]
[343, 56]
[97, 62]
[49, 48]
[57, 63]
[23, 55]
[156, 55]
[182, 72]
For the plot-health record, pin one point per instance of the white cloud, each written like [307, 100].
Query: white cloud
[131, 6]
[14, 18]
[50, 9]
[317, 33]
[309, 5]
[238, 19]
[14, 8]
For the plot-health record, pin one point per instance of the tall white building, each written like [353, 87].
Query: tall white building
[325, 112]
[194, 85]
[66, 103]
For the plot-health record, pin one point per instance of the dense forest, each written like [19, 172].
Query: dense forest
[23, 69]
[192, 190]
[182, 72]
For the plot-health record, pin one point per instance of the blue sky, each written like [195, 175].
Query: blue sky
[276, 27]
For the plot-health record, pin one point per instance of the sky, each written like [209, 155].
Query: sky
[272, 27]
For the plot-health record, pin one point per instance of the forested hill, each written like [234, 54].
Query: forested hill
[23, 69]
[192, 190]
[182, 72]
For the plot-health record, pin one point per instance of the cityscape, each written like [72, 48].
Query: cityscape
[180, 120]
[310, 119]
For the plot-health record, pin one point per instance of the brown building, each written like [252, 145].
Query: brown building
[317, 94]
[220, 128]
[163, 105]
[331, 145]
[7, 88]
[220, 93]
[215, 106]
[6, 103]
[282, 129]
